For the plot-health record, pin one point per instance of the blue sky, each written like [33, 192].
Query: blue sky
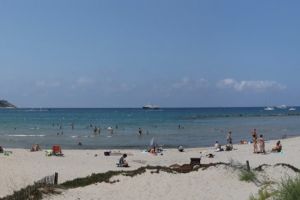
[129, 53]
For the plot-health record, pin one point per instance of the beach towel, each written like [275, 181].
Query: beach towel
[48, 152]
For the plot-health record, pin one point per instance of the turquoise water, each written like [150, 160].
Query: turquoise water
[199, 126]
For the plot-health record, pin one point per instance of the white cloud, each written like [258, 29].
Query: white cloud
[257, 85]
[47, 84]
[187, 83]
[125, 87]
[81, 81]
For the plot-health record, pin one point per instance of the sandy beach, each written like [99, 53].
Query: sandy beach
[131, 100]
[23, 167]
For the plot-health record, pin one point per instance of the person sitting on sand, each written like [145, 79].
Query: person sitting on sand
[218, 147]
[180, 148]
[35, 147]
[278, 147]
[153, 151]
[123, 162]
[261, 144]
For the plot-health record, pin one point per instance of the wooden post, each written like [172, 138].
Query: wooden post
[56, 178]
[248, 165]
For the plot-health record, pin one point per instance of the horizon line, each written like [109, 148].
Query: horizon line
[171, 107]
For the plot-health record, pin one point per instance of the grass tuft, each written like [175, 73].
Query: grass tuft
[263, 194]
[248, 176]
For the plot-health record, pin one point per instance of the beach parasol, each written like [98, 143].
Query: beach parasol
[153, 142]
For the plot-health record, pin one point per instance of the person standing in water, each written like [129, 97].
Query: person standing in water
[229, 138]
[95, 130]
[140, 131]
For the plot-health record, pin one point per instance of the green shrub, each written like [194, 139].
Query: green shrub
[289, 189]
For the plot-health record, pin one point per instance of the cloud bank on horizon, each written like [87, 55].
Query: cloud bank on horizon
[258, 85]
[182, 88]
[170, 53]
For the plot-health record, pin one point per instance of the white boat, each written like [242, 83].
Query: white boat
[268, 108]
[292, 109]
[150, 107]
[281, 107]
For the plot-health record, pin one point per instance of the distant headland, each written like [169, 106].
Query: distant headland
[6, 104]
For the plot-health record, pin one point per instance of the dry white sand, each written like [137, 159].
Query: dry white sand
[23, 168]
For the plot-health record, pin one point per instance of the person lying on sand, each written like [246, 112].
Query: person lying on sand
[243, 142]
[123, 162]
[278, 147]
[228, 147]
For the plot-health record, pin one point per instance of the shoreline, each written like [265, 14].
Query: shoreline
[81, 148]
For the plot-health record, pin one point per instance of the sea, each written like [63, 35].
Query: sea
[121, 127]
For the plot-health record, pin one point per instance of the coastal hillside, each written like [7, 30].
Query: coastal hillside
[6, 104]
